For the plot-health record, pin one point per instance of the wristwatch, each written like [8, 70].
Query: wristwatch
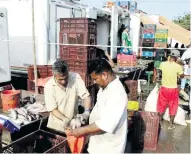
[87, 110]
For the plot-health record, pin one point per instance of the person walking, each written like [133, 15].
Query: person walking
[169, 92]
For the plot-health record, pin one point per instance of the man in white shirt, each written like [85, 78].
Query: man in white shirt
[108, 120]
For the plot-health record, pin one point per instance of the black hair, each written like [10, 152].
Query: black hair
[99, 65]
[60, 66]
[176, 45]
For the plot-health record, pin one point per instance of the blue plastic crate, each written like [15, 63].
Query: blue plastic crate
[149, 36]
[8, 124]
[147, 54]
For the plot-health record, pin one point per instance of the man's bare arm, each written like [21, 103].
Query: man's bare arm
[87, 130]
[187, 76]
[87, 103]
[110, 60]
[181, 76]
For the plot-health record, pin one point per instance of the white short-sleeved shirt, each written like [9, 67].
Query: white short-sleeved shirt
[110, 115]
[64, 99]
[185, 69]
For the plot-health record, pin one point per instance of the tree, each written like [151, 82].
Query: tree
[183, 21]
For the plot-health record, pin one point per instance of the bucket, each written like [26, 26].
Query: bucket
[133, 105]
[10, 99]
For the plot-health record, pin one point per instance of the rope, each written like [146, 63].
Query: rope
[89, 45]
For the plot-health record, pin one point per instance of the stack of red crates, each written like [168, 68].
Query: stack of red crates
[126, 60]
[78, 31]
[145, 130]
[43, 71]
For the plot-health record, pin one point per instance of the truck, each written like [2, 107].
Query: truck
[47, 15]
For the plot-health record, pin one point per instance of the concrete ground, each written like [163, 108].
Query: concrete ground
[175, 141]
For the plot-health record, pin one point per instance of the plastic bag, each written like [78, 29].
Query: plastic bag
[76, 144]
[151, 103]
[179, 118]
[126, 51]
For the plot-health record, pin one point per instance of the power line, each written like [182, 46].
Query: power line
[88, 45]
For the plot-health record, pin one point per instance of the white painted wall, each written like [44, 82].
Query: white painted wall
[103, 32]
[47, 27]
[5, 74]
[135, 31]
[46, 30]
[114, 31]
[20, 29]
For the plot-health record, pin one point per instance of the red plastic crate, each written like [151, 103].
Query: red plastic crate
[124, 57]
[151, 31]
[126, 63]
[31, 87]
[126, 60]
[78, 63]
[49, 67]
[77, 21]
[78, 28]
[145, 130]
[78, 25]
[160, 45]
[132, 85]
[43, 71]
[78, 53]
[78, 38]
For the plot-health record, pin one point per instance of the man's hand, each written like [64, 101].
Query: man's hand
[86, 130]
[106, 53]
[76, 132]
[75, 123]
[84, 117]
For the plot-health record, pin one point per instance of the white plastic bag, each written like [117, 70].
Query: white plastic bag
[179, 118]
[151, 103]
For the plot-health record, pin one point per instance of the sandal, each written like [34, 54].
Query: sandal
[171, 127]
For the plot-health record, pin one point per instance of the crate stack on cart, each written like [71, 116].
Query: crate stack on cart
[148, 40]
[77, 35]
[80, 31]
[126, 61]
[161, 37]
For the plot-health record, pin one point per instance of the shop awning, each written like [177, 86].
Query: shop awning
[175, 31]
[145, 19]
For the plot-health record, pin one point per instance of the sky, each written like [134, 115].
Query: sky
[167, 8]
